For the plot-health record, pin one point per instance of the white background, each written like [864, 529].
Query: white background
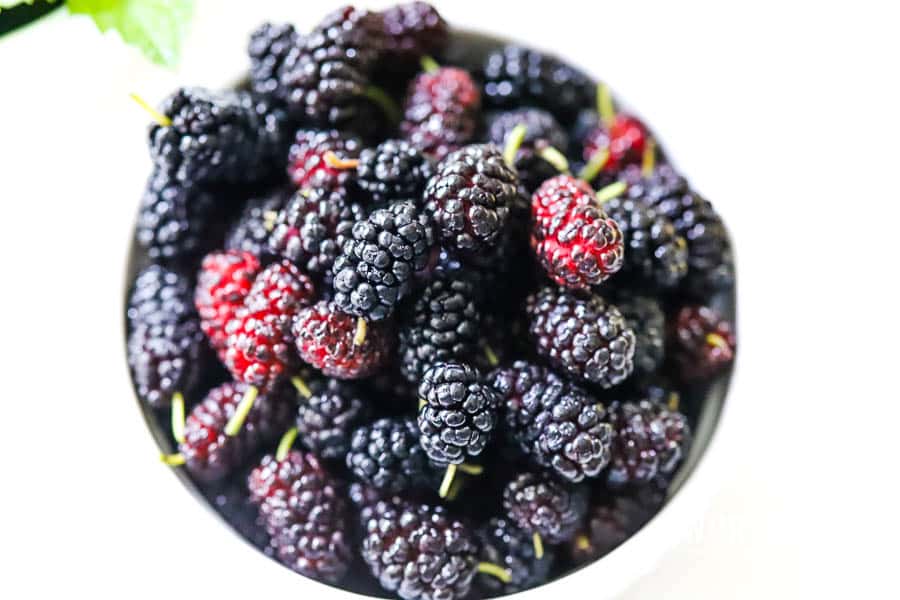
[783, 113]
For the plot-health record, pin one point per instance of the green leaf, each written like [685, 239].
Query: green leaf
[156, 27]
[11, 3]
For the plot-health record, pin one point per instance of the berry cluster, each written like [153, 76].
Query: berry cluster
[470, 296]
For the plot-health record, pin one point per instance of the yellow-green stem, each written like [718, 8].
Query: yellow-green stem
[160, 118]
[611, 191]
[240, 414]
[173, 460]
[605, 107]
[301, 386]
[495, 570]
[284, 445]
[594, 165]
[538, 545]
[178, 417]
[359, 337]
[555, 158]
[429, 65]
[514, 141]
[449, 474]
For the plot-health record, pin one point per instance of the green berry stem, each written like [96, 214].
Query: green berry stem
[555, 158]
[674, 402]
[429, 65]
[173, 460]
[538, 545]
[178, 417]
[495, 571]
[387, 104]
[648, 158]
[301, 386]
[582, 542]
[513, 142]
[594, 165]
[491, 356]
[359, 337]
[157, 116]
[471, 469]
[611, 191]
[449, 474]
[284, 445]
[605, 107]
[240, 414]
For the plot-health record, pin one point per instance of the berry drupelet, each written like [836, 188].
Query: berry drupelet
[704, 342]
[644, 316]
[311, 229]
[327, 418]
[503, 543]
[515, 76]
[556, 423]
[709, 258]
[377, 264]
[211, 137]
[165, 344]
[441, 111]
[305, 514]
[413, 29]
[459, 412]
[324, 78]
[649, 441]
[419, 552]
[209, 453]
[269, 45]
[307, 166]
[470, 197]
[327, 339]
[176, 221]
[386, 454]
[575, 241]
[656, 255]
[540, 505]
[395, 170]
[251, 231]
[441, 325]
[585, 337]
[623, 140]
[259, 344]
[224, 281]
[542, 133]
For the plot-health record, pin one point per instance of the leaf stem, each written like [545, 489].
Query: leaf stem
[648, 158]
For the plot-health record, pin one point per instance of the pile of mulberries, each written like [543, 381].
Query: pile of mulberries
[426, 319]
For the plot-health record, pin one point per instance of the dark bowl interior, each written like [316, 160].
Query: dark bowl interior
[702, 405]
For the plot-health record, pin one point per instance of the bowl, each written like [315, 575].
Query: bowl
[687, 497]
